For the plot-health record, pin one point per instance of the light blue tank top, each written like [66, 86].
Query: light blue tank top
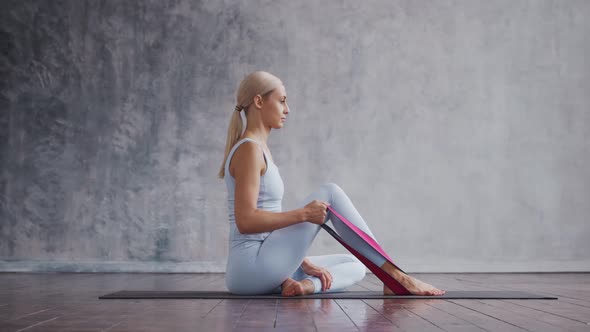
[270, 194]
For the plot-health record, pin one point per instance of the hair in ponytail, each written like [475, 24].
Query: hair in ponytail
[256, 83]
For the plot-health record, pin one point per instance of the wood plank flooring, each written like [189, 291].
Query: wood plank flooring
[69, 302]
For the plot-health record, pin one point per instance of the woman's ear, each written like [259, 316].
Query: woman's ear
[258, 101]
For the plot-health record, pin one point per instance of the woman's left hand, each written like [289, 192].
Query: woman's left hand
[320, 272]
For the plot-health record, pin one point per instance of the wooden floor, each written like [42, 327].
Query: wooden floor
[69, 302]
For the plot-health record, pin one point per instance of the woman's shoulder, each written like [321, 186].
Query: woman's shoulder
[247, 153]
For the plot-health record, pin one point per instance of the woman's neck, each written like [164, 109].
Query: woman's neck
[258, 135]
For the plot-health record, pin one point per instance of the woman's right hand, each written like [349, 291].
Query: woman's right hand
[316, 211]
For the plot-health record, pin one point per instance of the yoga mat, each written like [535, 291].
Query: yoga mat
[481, 295]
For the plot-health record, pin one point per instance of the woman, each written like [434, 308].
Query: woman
[267, 245]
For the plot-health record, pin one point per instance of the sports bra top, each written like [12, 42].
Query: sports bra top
[270, 194]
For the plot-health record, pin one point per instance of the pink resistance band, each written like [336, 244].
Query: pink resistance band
[388, 280]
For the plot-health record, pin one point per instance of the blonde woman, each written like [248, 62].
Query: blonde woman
[267, 245]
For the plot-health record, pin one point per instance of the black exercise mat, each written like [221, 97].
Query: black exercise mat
[481, 295]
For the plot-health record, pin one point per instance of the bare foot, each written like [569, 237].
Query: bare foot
[292, 287]
[413, 285]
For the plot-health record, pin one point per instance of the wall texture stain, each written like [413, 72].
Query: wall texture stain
[460, 130]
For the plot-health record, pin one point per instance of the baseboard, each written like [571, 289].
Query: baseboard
[111, 266]
[463, 266]
[410, 266]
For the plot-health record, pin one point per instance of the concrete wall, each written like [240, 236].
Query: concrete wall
[460, 130]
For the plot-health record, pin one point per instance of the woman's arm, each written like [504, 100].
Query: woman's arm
[250, 219]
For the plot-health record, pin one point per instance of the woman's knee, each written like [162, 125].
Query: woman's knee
[353, 258]
[359, 271]
[357, 268]
[331, 187]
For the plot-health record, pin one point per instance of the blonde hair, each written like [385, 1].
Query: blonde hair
[256, 83]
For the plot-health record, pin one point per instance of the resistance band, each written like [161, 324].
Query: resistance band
[388, 280]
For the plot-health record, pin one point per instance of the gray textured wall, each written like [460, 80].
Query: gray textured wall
[460, 129]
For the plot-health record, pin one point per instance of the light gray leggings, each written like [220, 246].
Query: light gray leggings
[260, 267]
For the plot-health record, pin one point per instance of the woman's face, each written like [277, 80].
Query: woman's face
[275, 109]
